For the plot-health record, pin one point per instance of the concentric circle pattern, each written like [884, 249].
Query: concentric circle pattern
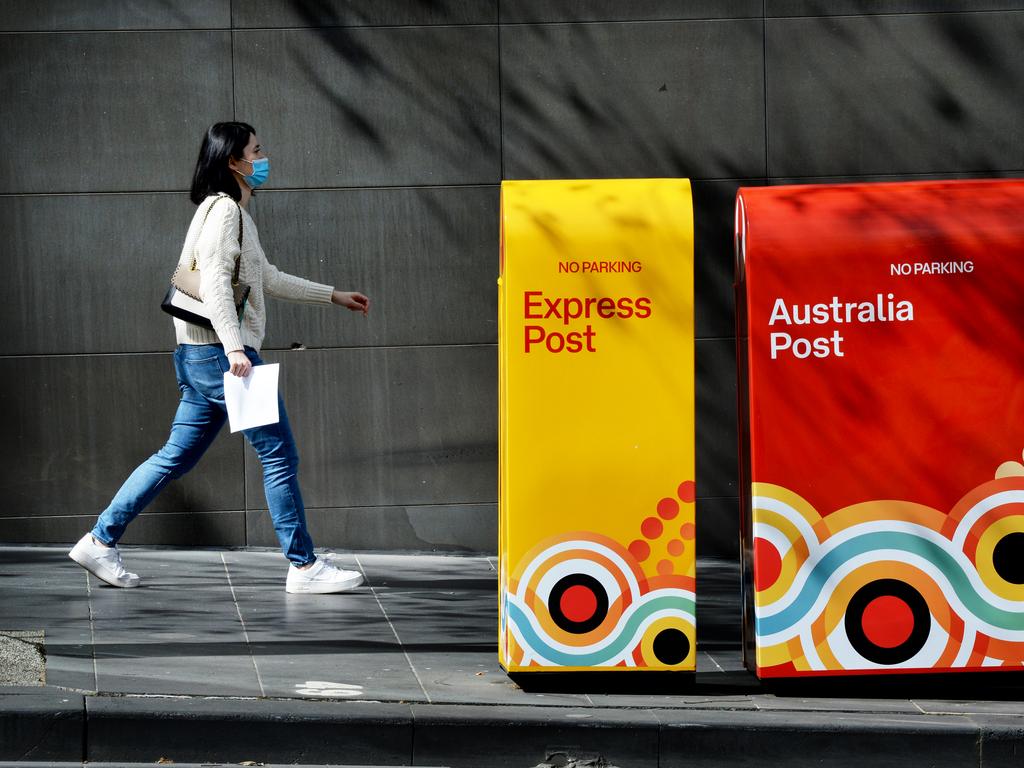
[584, 600]
[578, 603]
[887, 621]
[889, 585]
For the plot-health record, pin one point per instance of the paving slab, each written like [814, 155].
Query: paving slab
[773, 703]
[461, 677]
[179, 634]
[932, 707]
[49, 764]
[443, 612]
[43, 590]
[661, 701]
[341, 644]
[421, 573]
[70, 661]
[718, 660]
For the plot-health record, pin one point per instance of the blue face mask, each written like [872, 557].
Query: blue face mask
[260, 171]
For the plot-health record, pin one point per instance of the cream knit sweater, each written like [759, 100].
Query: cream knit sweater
[215, 244]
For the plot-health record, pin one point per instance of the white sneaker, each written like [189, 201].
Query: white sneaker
[321, 578]
[102, 562]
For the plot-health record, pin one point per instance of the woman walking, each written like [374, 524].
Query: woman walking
[231, 165]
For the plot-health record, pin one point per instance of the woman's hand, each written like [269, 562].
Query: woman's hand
[353, 300]
[240, 364]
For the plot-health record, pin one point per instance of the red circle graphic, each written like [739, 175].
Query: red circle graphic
[887, 621]
[767, 564]
[578, 603]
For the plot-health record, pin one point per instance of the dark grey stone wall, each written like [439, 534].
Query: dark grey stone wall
[390, 124]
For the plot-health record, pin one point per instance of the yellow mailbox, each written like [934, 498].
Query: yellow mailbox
[596, 488]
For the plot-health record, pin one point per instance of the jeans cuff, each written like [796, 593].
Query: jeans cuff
[102, 540]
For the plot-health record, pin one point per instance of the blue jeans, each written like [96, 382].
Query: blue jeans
[201, 413]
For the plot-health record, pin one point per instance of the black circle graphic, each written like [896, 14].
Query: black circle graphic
[1008, 557]
[918, 610]
[671, 646]
[555, 603]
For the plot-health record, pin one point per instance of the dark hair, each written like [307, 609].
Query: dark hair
[212, 175]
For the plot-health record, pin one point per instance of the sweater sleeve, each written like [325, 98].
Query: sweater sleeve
[217, 249]
[284, 286]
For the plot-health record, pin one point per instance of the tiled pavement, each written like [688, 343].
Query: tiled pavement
[212, 660]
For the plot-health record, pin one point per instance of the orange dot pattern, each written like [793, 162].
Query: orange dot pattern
[641, 550]
[668, 509]
[652, 528]
[687, 492]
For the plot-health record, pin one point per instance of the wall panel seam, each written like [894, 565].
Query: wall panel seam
[910, 176]
[479, 185]
[231, 31]
[367, 187]
[764, 80]
[349, 27]
[501, 113]
[590, 22]
[438, 505]
[432, 505]
[170, 350]
[147, 513]
[154, 30]
[673, 20]
[977, 12]
[231, 26]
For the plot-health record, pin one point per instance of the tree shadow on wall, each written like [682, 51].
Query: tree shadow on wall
[596, 101]
[457, 123]
[917, 94]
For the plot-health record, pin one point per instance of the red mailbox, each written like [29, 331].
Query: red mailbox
[881, 362]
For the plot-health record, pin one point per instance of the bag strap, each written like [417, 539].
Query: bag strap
[238, 259]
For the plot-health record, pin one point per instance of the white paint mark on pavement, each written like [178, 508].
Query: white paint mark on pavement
[328, 689]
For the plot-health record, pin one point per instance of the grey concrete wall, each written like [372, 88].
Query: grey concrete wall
[390, 124]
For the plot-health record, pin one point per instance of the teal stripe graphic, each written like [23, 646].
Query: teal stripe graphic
[898, 540]
[621, 639]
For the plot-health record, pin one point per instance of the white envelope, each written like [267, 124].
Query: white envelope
[252, 401]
